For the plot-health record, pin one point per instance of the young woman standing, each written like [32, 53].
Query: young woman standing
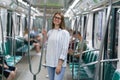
[57, 47]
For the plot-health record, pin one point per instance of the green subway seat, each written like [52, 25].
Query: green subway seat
[87, 72]
[11, 60]
[23, 49]
[116, 75]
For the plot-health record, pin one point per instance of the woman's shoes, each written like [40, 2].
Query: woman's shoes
[47, 76]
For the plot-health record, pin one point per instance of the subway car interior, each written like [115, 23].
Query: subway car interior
[94, 56]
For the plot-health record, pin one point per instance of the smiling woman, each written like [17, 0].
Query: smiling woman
[57, 47]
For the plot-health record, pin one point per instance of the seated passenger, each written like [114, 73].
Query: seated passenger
[26, 38]
[37, 44]
[34, 32]
[77, 44]
[9, 71]
[35, 41]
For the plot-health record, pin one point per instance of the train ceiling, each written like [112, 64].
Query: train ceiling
[81, 6]
[51, 5]
[69, 7]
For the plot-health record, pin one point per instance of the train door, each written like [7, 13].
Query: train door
[22, 24]
[97, 30]
[118, 38]
[111, 46]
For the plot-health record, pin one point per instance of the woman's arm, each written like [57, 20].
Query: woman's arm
[64, 51]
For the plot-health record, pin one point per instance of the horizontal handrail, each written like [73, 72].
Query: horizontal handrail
[88, 51]
[88, 64]
[102, 61]
[12, 38]
[109, 60]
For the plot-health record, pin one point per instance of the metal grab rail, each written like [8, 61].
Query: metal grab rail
[102, 61]
[12, 38]
[29, 20]
[95, 62]
[87, 51]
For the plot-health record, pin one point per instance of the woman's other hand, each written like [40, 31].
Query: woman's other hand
[58, 69]
[59, 66]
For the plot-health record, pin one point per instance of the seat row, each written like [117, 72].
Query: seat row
[85, 72]
[85, 68]
[14, 50]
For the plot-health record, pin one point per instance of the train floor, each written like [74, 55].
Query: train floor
[23, 72]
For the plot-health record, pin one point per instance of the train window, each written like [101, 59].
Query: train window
[83, 25]
[0, 30]
[112, 45]
[25, 25]
[67, 22]
[97, 29]
[116, 35]
[21, 29]
[89, 29]
[38, 22]
[9, 23]
[3, 13]
[49, 24]
[75, 24]
[93, 30]
[18, 25]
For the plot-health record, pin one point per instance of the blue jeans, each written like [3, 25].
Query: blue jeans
[52, 73]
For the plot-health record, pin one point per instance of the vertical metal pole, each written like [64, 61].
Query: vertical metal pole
[44, 27]
[34, 77]
[13, 39]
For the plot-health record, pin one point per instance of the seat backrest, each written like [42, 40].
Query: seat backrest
[116, 75]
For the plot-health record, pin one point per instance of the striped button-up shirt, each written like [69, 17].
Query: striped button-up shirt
[57, 47]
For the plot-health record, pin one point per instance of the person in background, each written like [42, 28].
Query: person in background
[37, 43]
[57, 47]
[9, 71]
[34, 40]
[69, 57]
[34, 32]
[76, 43]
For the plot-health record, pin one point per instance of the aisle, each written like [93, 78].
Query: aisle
[23, 72]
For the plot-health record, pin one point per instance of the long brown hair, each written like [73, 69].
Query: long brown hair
[62, 24]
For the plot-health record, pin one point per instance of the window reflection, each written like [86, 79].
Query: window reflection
[116, 35]
[98, 28]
